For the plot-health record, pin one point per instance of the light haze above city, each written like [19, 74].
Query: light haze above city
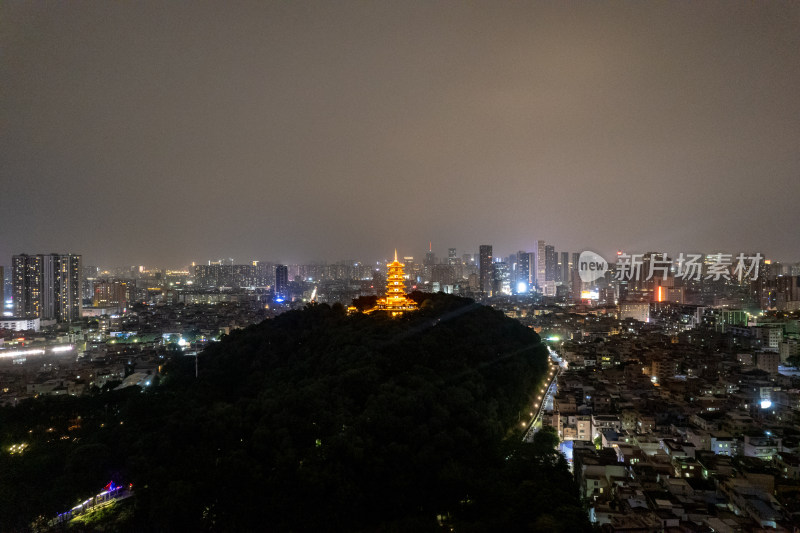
[163, 133]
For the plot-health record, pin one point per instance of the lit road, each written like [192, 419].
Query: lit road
[544, 400]
[111, 494]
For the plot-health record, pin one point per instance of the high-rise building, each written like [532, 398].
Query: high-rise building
[70, 270]
[575, 283]
[468, 266]
[7, 291]
[443, 275]
[114, 293]
[430, 257]
[551, 263]
[485, 268]
[415, 271]
[455, 263]
[762, 289]
[26, 280]
[523, 272]
[541, 264]
[91, 274]
[214, 274]
[427, 264]
[501, 278]
[565, 268]
[281, 282]
[47, 286]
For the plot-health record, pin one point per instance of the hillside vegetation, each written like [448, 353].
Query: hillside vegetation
[319, 420]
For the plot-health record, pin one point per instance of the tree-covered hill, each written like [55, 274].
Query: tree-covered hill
[319, 420]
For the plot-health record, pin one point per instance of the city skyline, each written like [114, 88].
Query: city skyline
[439, 254]
[156, 134]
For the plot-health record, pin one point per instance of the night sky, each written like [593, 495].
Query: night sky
[161, 133]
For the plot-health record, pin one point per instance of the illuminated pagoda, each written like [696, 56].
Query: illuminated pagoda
[395, 301]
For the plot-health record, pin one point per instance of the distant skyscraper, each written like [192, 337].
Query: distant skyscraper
[575, 283]
[455, 264]
[47, 286]
[485, 268]
[501, 282]
[659, 263]
[427, 264]
[70, 284]
[565, 268]
[90, 275]
[430, 257]
[7, 286]
[281, 282]
[51, 269]
[541, 265]
[26, 281]
[523, 272]
[551, 263]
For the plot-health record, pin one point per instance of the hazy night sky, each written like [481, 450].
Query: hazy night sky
[161, 133]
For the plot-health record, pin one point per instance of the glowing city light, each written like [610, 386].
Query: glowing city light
[17, 448]
[17, 353]
[59, 349]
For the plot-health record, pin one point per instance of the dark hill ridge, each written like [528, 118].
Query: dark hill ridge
[319, 420]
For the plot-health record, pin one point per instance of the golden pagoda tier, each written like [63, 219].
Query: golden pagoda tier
[395, 301]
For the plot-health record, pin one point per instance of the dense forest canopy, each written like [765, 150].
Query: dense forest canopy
[314, 420]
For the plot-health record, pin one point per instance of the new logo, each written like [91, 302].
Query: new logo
[591, 266]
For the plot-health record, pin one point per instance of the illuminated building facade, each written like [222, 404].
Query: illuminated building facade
[216, 275]
[47, 286]
[485, 268]
[281, 282]
[395, 301]
[551, 264]
[501, 278]
[26, 280]
[637, 310]
[523, 272]
[541, 265]
[115, 293]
